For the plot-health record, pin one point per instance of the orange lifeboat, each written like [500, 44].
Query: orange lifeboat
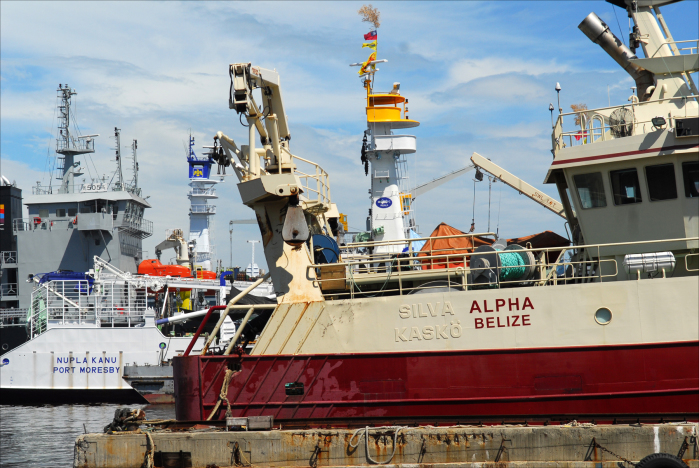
[153, 267]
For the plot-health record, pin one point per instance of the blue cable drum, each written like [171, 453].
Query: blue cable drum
[326, 249]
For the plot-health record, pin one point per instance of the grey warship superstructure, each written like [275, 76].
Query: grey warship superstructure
[68, 225]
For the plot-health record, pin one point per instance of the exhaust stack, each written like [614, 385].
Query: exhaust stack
[599, 33]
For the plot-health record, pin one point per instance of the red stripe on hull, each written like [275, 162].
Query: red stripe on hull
[606, 380]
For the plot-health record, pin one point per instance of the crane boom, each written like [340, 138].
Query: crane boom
[434, 183]
[518, 184]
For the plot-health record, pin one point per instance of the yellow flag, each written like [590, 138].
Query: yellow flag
[371, 58]
[371, 45]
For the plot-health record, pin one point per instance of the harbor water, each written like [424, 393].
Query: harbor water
[44, 436]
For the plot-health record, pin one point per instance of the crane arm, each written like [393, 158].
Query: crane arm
[175, 241]
[434, 183]
[274, 133]
[518, 184]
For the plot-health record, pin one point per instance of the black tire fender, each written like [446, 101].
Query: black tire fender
[661, 460]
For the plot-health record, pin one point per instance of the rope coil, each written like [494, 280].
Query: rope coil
[358, 434]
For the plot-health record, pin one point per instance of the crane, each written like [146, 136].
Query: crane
[518, 184]
[175, 240]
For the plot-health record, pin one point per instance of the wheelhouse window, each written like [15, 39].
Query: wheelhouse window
[590, 190]
[690, 173]
[60, 213]
[625, 187]
[661, 182]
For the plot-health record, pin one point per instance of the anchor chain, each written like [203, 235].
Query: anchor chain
[594, 445]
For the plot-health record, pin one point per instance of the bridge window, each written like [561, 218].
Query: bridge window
[72, 212]
[590, 190]
[60, 213]
[690, 173]
[625, 187]
[661, 182]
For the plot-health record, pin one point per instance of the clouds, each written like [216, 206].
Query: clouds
[479, 77]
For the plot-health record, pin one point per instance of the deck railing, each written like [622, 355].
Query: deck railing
[367, 275]
[77, 302]
[592, 125]
[13, 317]
[315, 182]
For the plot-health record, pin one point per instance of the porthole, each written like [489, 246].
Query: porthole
[603, 316]
[4, 346]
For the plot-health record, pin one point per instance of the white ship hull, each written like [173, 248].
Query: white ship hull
[79, 359]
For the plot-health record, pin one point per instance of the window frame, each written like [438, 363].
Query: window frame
[577, 190]
[648, 184]
[637, 193]
[685, 185]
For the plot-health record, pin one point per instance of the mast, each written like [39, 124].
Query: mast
[383, 155]
[134, 181]
[119, 173]
[69, 145]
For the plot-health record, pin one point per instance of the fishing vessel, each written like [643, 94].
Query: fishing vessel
[605, 327]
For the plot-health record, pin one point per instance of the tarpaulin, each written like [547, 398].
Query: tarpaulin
[450, 246]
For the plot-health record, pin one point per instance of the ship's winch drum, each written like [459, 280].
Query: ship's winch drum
[528, 262]
[512, 265]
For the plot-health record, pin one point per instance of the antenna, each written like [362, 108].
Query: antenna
[67, 145]
[120, 174]
[134, 147]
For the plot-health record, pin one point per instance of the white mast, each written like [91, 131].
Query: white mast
[201, 213]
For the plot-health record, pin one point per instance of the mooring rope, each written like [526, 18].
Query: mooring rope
[223, 396]
[149, 462]
[366, 442]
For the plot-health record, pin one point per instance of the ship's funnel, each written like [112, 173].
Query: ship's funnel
[599, 33]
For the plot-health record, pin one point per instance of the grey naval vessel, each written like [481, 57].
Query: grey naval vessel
[69, 222]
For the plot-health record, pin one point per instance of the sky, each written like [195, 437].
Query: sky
[479, 77]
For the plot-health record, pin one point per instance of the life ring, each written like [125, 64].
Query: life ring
[75, 220]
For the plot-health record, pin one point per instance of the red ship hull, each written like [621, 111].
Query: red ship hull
[649, 380]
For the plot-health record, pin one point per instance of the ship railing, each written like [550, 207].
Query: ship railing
[37, 223]
[315, 183]
[203, 209]
[120, 303]
[138, 227]
[77, 302]
[196, 191]
[60, 303]
[8, 257]
[367, 275]
[13, 317]
[691, 259]
[592, 125]
[693, 46]
[82, 144]
[88, 187]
